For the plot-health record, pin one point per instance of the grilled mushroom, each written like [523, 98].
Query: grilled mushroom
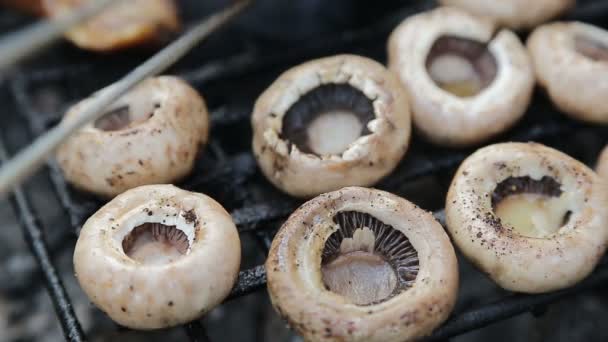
[530, 217]
[157, 256]
[571, 62]
[151, 135]
[329, 123]
[602, 163]
[362, 265]
[515, 14]
[125, 24]
[465, 82]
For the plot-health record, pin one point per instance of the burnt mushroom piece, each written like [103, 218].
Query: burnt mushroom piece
[360, 264]
[602, 163]
[571, 62]
[329, 123]
[467, 82]
[531, 217]
[515, 14]
[151, 135]
[157, 256]
[122, 25]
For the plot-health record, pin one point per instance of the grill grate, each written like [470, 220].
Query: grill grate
[227, 171]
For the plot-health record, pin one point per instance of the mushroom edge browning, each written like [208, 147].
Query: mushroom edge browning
[549, 258]
[122, 25]
[515, 14]
[155, 294]
[374, 153]
[151, 135]
[443, 117]
[571, 63]
[296, 265]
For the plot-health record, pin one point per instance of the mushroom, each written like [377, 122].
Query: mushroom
[531, 217]
[515, 14]
[157, 256]
[150, 135]
[329, 123]
[466, 82]
[602, 163]
[571, 62]
[361, 264]
[125, 24]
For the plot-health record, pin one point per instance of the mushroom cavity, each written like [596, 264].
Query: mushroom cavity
[327, 119]
[591, 48]
[123, 117]
[367, 260]
[155, 243]
[461, 66]
[534, 208]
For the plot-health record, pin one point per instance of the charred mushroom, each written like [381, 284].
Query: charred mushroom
[602, 163]
[151, 135]
[329, 123]
[362, 265]
[571, 62]
[157, 256]
[465, 82]
[515, 14]
[530, 217]
[125, 24]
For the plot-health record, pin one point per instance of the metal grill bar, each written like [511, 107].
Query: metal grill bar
[35, 239]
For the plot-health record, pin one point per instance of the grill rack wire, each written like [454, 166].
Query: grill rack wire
[234, 170]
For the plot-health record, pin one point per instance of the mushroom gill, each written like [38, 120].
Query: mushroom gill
[155, 243]
[461, 66]
[534, 208]
[366, 260]
[124, 116]
[327, 119]
[591, 48]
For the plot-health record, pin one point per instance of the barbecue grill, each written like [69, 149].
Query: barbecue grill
[230, 70]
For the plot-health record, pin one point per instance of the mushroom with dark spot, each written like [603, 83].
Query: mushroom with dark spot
[157, 257]
[115, 162]
[537, 232]
[371, 260]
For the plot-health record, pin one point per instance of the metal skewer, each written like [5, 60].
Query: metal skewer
[34, 155]
[21, 44]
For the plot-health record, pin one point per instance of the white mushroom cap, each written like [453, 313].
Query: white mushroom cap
[299, 295]
[443, 117]
[514, 13]
[158, 149]
[514, 261]
[122, 25]
[602, 163]
[365, 161]
[577, 84]
[151, 296]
